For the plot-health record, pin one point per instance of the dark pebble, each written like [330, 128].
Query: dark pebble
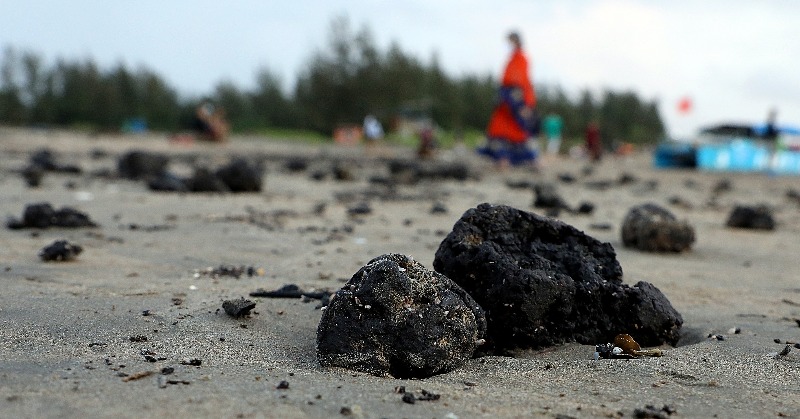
[283, 385]
[409, 398]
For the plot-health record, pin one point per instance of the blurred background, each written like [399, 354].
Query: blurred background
[646, 70]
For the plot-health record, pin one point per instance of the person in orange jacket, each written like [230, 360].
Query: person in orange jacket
[513, 120]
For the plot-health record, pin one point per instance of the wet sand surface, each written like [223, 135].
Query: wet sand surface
[134, 327]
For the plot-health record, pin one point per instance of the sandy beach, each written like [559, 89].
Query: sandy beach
[134, 327]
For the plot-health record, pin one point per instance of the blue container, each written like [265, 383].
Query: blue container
[786, 163]
[670, 155]
[737, 155]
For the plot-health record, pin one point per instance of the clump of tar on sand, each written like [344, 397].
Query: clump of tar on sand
[396, 318]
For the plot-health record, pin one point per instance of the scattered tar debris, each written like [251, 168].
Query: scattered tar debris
[423, 396]
[652, 228]
[346, 411]
[291, 291]
[652, 412]
[33, 175]
[283, 385]
[46, 160]
[362, 208]
[43, 215]
[150, 228]
[566, 177]
[751, 217]
[428, 396]
[167, 370]
[60, 251]
[141, 164]
[519, 184]
[138, 376]
[238, 308]
[735, 330]
[192, 362]
[713, 336]
[241, 175]
[546, 196]
[438, 208]
[138, 338]
[785, 351]
[230, 271]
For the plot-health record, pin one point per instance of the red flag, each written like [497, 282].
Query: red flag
[685, 105]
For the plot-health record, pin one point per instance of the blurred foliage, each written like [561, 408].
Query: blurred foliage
[340, 84]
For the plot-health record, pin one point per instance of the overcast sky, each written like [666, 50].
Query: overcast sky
[736, 59]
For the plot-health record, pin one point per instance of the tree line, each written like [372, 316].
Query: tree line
[340, 84]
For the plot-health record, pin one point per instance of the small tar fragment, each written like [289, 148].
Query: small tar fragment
[283, 385]
[290, 291]
[137, 376]
[193, 362]
[60, 251]
[238, 308]
[785, 351]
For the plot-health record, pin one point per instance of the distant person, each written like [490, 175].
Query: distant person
[427, 141]
[771, 130]
[373, 130]
[513, 120]
[210, 122]
[552, 126]
[594, 145]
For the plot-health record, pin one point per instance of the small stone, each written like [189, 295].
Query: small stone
[283, 385]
